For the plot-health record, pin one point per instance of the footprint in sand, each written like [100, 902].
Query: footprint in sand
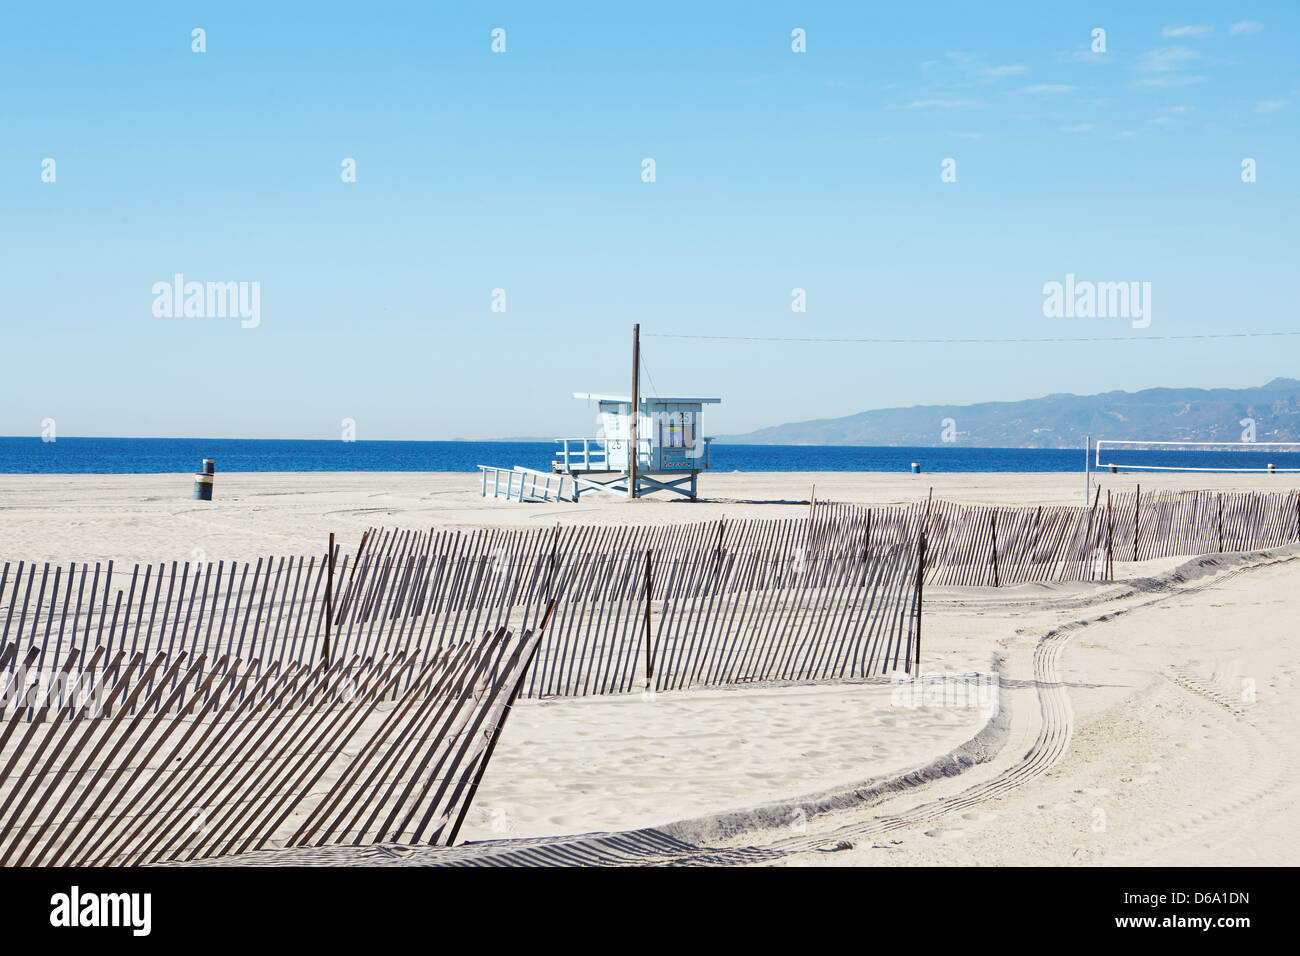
[953, 833]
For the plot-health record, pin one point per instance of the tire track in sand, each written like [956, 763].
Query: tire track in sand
[1053, 739]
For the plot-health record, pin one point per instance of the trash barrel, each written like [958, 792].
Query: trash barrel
[203, 487]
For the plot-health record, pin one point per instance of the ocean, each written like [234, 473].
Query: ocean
[31, 455]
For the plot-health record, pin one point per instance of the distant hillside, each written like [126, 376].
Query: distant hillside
[1062, 421]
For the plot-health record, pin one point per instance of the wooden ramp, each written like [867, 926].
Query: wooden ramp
[525, 484]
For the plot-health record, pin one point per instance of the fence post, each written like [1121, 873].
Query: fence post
[866, 547]
[717, 552]
[329, 602]
[920, 586]
[550, 573]
[1110, 540]
[1220, 497]
[649, 666]
[993, 520]
[1137, 510]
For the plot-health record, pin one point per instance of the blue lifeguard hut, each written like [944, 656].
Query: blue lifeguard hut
[672, 448]
[643, 444]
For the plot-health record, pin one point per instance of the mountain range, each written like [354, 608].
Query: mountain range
[1061, 420]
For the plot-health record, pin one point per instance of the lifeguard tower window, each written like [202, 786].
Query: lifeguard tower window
[678, 430]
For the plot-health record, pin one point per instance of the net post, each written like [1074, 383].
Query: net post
[1087, 468]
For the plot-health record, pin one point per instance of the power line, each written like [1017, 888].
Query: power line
[654, 389]
[970, 341]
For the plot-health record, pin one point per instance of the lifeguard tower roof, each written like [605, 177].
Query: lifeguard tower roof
[655, 399]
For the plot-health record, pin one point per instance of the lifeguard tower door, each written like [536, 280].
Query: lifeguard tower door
[677, 444]
[615, 428]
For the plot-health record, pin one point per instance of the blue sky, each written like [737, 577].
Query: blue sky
[522, 170]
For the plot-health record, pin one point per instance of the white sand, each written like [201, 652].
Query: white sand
[128, 518]
[1132, 726]
[614, 763]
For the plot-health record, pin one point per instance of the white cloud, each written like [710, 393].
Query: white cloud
[1170, 114]
[1165, 59]
[1187, 31]
[1167, 82]
[941, 103]
[1270, 106]
[1085, 56]
[1047, 88]
[1246, 27]
[1079, 128]
[1009, 70]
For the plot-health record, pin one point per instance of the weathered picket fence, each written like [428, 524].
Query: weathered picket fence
[993, 545]
[199, 710]
[134, 770]
[830, 595]
[688, 604]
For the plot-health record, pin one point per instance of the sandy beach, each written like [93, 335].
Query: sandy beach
[1144, 720]
[144, 518]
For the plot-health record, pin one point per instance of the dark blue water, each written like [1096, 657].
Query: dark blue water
[181, 455]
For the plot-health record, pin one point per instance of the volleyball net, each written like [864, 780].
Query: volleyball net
[1190, 456]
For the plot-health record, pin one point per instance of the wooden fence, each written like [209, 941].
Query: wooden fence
[199, 710]
[831, 595]
[990, 545]
[131, 769]
[711, 602]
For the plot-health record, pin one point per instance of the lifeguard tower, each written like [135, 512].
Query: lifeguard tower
[667, 433]
[672, 449]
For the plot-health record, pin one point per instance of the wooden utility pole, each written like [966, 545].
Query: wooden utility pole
[633, 445]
